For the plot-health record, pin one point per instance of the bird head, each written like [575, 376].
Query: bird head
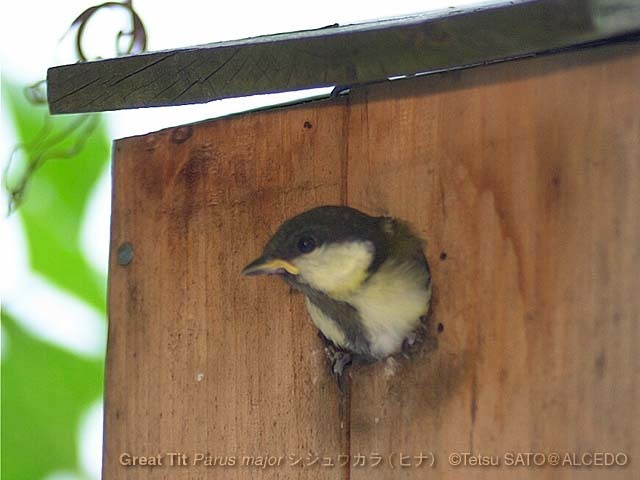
[331, 249]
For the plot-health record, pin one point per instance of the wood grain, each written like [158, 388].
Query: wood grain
[525, 179]
[340, 55]
[200, 358]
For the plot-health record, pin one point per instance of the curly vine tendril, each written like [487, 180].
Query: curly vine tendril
[48, 143]
[137, 34]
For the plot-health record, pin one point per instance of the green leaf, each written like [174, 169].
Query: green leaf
[56, 197]
[45, 390]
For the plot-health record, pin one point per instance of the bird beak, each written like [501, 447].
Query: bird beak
[266, 265]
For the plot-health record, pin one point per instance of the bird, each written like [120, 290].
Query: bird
[365, 279]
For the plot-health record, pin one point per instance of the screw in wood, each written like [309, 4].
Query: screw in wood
[125, 254]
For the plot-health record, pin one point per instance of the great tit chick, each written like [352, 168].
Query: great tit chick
[366, 280]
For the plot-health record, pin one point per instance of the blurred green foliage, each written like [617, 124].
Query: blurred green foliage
[45, 389]
[56, 198]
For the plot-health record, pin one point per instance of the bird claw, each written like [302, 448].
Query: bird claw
[339, 366]
[340, 362]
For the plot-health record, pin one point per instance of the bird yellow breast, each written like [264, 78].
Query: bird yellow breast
[390, 305]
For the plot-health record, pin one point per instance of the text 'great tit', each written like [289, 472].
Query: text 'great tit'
[365, 279]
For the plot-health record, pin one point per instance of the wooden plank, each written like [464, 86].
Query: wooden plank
[346, 55]
[201, 359]
[524, 177]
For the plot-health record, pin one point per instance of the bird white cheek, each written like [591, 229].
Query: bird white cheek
[336, 269]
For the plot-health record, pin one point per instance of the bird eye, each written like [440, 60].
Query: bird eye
[306, 244]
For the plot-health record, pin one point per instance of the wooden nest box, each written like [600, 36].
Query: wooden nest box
[524, 176]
